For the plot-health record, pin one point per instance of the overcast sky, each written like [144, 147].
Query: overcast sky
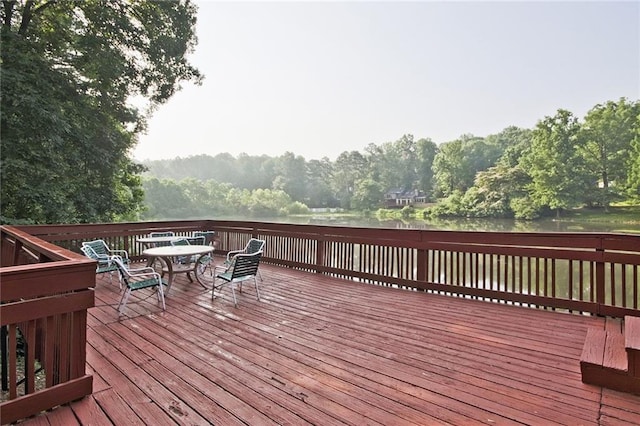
[320, 78]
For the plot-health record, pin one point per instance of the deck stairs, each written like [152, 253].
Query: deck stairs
[611, 356]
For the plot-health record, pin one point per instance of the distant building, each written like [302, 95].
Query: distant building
[398, 197]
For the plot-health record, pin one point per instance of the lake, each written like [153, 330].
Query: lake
[461, 224]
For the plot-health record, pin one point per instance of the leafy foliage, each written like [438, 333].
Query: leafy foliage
[195, 199]
[457, 162]
[69, 69]
[560, 177]
[607, 131]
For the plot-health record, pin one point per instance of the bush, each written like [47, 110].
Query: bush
[297, 208]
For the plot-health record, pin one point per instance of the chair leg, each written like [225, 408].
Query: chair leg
[123, 301]
[161, 296]
[119, 278]
[213, 289]
[257, 290]
[233, 291]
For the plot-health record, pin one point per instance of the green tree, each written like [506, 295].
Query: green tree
[318, 192]
[426, 151]
[394, 164]
[291, 175]
[166, 199]
[349, 168]
[457, 162]
[253, 172]
[495, 188]
[368, 195]
[633, 164]
[268, 202]
[448, 168]
[608, 130]
[69, 70]
[559, 175]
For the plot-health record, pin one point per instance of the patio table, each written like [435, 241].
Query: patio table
[168, 253]
[153, 241]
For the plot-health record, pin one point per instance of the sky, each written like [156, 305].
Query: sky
[320, 78]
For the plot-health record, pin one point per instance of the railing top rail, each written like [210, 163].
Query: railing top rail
[35, 244]
[109, 229]
[409, 237]
[383, 236]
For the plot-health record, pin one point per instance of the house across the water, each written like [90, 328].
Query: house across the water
[399, 197]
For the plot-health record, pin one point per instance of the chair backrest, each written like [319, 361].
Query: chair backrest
[122, 269]
[162, 234]
[197, 241]
[96, 249]
[245, 265]
[194, 241]
[208, 236]
[180, 242]
[254, 245]
[88, 251]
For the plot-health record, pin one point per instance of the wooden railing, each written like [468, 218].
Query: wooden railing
[46, 286]
[45, 292]
[579, 272]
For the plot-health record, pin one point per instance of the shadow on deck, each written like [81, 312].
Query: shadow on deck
[326, 351]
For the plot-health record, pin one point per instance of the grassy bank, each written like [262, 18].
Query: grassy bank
[622, 214]
[615, 214]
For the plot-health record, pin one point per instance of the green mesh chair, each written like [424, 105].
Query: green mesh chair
[162, 234]
[99, 250]
[244, 267]
[138, 279]
[254, 245]
[208, 236]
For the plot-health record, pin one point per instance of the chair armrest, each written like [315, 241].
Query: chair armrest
[124, 254]
[144, 272]
[117, 257]
[233, 253]
[103, 258]
[222, 268]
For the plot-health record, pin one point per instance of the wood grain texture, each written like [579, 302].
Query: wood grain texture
[319, 350]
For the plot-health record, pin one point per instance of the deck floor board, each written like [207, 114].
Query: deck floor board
[318, 350]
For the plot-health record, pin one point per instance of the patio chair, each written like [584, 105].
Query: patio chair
[162, 234]
[208, 236]
[138, 279]
[99, 250]
[254, 245]
[243, 267]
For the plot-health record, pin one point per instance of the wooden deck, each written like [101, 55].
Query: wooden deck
[325, 351]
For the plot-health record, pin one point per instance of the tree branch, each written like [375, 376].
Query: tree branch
[30, 12]
[8, 6]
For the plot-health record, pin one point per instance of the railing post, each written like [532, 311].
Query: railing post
[600, 281]
[421, 270]
[3, 348]
[320, 254]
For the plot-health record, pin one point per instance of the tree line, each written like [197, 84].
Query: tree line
[562, 163]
